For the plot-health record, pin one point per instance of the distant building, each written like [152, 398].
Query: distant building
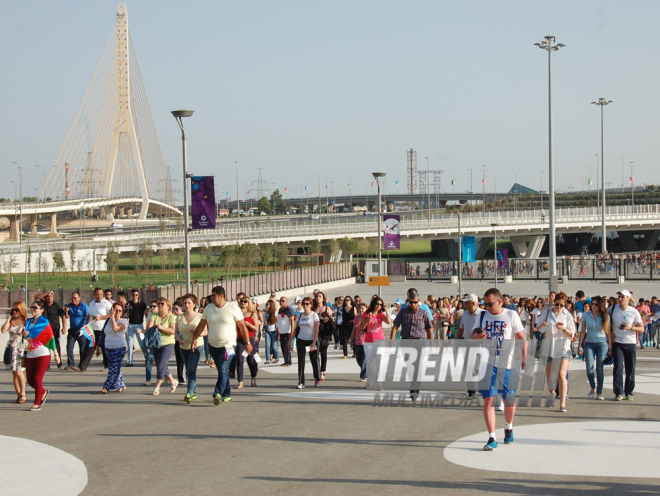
[519, 189]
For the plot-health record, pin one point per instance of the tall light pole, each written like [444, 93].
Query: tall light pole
[453, 182]
[178, 115]
[541, 191]
[483, 184]
[515, 190]
[20, 197]
[428, 187]
[378, 175]
[238, 202]
[597, 183]
[495, 249]
[319, 209]
[623, 185]
[601, 103]
[547, 44]
[471, 190]
[350, 196]
[632, 183]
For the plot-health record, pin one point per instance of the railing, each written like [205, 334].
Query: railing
[438, 223]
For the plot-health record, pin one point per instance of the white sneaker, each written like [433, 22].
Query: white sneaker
[301, 386]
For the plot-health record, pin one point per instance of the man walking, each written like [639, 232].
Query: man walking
[77, 313]
[285, 316]
[503, 325]
[99, 312]
[626, 324]
[469, 321]
[136, 311]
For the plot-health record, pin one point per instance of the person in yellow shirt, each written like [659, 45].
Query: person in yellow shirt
[163, 320]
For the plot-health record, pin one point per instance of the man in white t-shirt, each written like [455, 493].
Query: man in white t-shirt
[222, 318]
[626, 324]
[99, 313]
[502, 325]
[469, 321]
[285, 316]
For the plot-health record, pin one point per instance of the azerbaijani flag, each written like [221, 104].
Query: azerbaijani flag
[40, 333]
[88, 332]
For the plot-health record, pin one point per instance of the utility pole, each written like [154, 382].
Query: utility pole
[428, 187]
[319, 209]
[483, 183]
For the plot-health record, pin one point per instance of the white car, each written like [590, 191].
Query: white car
[116, 225]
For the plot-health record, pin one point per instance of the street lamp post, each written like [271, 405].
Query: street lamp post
[428, 187]
[378, 175]
[178, 115]
[453, 182]
[483, 184]
[632, 183]
[471, 190]
[495, 255]
[547, 44]
[515, 189]
[597, 183]
[601, 103]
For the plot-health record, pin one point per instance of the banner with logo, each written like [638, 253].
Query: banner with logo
[502, 258]
[469, 249]
[391, 232]
[202, 202]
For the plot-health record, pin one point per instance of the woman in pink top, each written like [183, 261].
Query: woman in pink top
[372, 326]
[357, 341]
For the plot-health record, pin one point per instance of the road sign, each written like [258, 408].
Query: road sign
[379, 280]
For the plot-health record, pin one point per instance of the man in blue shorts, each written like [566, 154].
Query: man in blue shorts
[503, 325]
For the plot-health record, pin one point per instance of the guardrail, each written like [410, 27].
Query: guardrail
[437, 223]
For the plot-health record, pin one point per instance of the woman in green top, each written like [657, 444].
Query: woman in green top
[164, 321]
[186, 323]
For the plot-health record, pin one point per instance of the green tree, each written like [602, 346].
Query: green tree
[349, 246]
[45, 267]
[315, 247]
[363, 247]
[206, 256]
[135, 260]
[282, 255]
[373, 247]
[163, 253]
[112, 261]
[264, 205]
[265, 254]
[60, 265]
[276, 202]
[250, 255]
[29, 259]
[229, 258]
[333, 246]
[162, 223]
[72, 257]
[146, 253]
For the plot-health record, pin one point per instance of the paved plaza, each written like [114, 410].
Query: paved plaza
[275, 439]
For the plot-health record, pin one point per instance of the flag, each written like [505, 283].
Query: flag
[40, 333]
[88, 332]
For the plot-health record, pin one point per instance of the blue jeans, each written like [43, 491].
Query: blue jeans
[271, 345]
[359, 358]
[130, 339]
[648, 334]
[206, 348]
[597, 351]
[221, 360]
[191, 361]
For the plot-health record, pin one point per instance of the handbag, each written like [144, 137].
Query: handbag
[6, 359]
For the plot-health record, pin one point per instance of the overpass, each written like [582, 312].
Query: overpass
[527, 230]
[108, 208]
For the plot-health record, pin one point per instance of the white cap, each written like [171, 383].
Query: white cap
[471, 297]
[298, 298]
[625, 292]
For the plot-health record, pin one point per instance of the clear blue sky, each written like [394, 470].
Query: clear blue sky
[345, 88]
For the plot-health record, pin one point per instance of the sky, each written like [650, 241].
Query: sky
[345, 88]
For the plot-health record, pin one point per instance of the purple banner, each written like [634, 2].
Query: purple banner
[391, 230]
[203, 202]
[502, 258]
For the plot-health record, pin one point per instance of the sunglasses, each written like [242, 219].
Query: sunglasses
[35, 308]
[162, 305]
[14, 310]
[176, 309]
[414, 302]
[379, 304]
[306, 304]
[244, 301]
[559, 305]
[152, 306]
[488, 305]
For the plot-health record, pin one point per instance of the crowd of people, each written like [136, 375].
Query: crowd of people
[230, 333]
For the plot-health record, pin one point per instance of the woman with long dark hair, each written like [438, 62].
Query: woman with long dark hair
[186, 323]
[595, 343]
[115, 348]
[270, 332]
[326, 328]
[372, 325]
[41, 341]
[163, 320]
[348, 314]
[307, 334]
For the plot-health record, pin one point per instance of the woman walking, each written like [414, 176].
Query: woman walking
[15, 324]
[357, 341]
[186, 323]
[348, 314]
[270, 332]
[372, 325]
[164, 321]
[595, 343]
[115, 346]
[41, 341]
[326, 329]
[252, 323]
[177, 311]
[560, 327]
[307, 333]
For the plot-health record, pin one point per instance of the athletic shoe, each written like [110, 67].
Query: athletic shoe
[591, 395]
[35, 408]
[187, 398]
[491, 445]
[618, 397]
[562, 409]
[129, 364]
[471, 395]
[317, 384]
[629, 397]
[226, 399]
[194, 397]
[301, 386]
[217, 399]
[600, 397]
[508, 436]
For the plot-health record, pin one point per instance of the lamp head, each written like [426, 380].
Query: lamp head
[182, 113]
[378, 174]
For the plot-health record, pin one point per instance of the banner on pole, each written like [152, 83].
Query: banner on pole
[502, 258]
[469, 249]
[202, 202]
[391, 232]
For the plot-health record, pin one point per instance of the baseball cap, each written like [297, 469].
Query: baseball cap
[298, 298]
[625, 292]
[399, 302]
[471, 297]
[254, 300]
